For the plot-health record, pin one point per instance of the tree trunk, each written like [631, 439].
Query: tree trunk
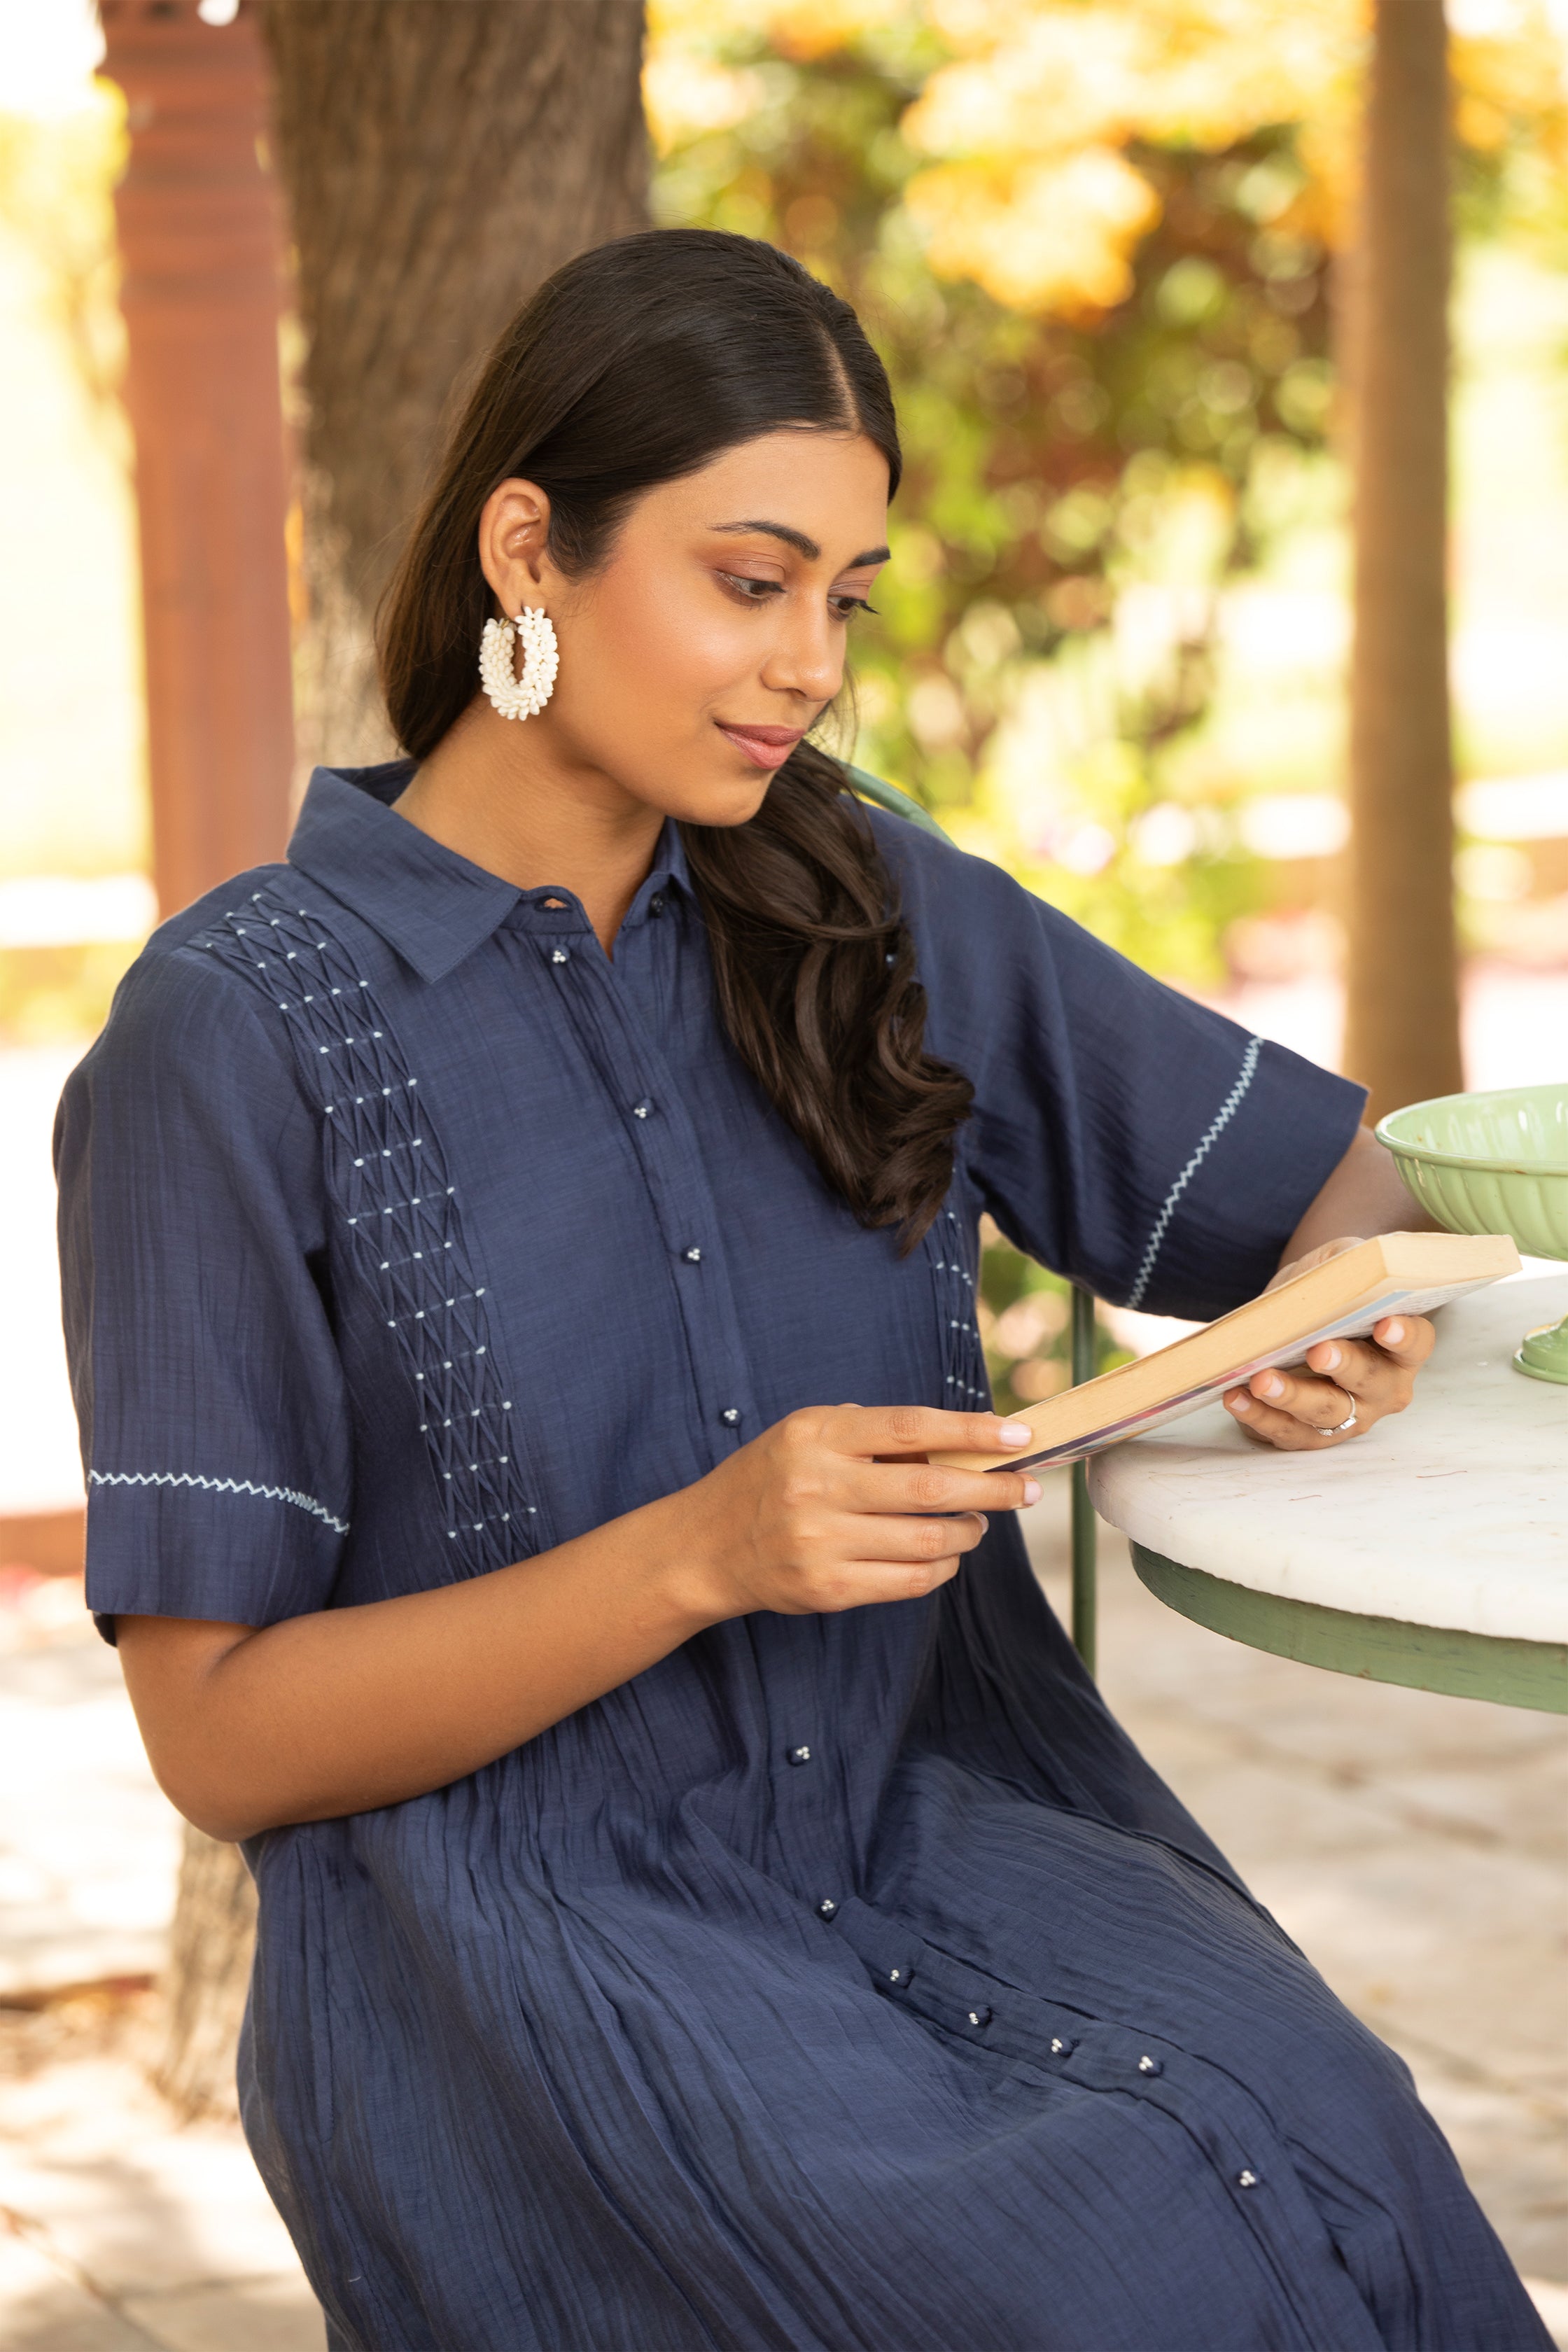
[1402, 1037]
[207, 1978]
[441, 160]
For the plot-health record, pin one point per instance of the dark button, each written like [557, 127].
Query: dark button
[900, 1976]
[827, 1907]
[801, 1755]
[1247, 2179]
[692, 1256]
[979, 2016]
[655, 904]
[560, 955]
[642, 1109]
[1060, 2046]
[730, 1415]
[1147, 2065]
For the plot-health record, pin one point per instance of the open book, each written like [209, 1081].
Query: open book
[1396, 1274]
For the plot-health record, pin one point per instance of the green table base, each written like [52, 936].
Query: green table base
[1378, 1649]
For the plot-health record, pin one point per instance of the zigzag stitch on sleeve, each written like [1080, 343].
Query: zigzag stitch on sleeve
[219, 1486]
[1220, 1121]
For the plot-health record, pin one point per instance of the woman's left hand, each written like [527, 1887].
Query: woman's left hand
[1300, 1411]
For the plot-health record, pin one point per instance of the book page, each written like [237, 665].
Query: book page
[1356, 1325]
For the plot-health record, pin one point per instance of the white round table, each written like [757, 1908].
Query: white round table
[1433, 1551]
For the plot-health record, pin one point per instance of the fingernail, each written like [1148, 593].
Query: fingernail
[1239, 1405]
[1272, 1387]
[984, 1522]
[1031, 1490]
[1334, 1362]
[1014, 1432]
[1395, 1334]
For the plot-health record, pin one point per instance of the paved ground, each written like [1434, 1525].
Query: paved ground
[89, 1847]
[1416, 1847]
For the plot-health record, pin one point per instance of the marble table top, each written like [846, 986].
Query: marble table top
[1454, 1512]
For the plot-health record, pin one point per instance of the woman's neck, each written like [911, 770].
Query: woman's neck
[520, 811]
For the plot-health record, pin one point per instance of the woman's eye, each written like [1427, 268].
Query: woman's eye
[847, 606]
[750, 590]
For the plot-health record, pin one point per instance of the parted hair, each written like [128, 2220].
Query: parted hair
[634, 364]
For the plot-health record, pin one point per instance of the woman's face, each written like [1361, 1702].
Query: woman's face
[695, 659]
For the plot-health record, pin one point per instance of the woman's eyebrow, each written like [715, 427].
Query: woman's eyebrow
[800, 542]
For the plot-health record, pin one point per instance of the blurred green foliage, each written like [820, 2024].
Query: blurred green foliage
[1056, 466]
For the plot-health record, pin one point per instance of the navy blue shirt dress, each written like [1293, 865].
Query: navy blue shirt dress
[840, 1984]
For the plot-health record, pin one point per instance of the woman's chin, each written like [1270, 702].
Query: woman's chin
[724, 800]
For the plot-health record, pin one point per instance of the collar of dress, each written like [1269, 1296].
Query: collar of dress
[434, 907]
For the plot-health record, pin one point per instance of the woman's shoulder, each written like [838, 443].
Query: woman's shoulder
[969, 915]
[939, 880]
[190, 1013]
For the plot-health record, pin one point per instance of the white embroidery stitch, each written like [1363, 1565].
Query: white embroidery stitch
[1220, 1120]
[217, 1486]
[439, 1312]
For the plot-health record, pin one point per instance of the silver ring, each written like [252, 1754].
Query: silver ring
[1339, 1428]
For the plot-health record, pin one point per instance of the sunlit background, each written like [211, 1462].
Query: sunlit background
[1098, 245]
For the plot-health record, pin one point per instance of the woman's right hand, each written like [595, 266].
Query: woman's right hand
[341, 1710]
[837, 1506]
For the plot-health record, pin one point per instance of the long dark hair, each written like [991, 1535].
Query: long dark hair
[634, 364]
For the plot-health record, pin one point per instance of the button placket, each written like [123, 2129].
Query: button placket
[603, 1006]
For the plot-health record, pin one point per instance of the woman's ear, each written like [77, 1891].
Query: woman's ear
[514, 543]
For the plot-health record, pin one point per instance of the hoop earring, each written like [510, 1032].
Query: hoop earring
[514, 696]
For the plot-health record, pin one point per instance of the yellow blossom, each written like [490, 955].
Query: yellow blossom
[1039, 235]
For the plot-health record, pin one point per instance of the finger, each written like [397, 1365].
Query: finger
[872, 1583]
[922, 1429]
[1363, 1371]
[1409, 1339]
[924, 1487]
[909, 1543]
[1281, 1429]
[1323, 1404]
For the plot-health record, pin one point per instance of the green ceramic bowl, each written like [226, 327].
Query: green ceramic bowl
[1491, 1163]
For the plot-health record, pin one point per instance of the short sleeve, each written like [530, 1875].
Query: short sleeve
[1123, 1134]
[208, 1388]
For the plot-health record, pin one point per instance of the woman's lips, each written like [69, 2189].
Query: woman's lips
[770, 747]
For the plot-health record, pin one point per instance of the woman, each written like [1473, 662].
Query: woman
[703, 1902]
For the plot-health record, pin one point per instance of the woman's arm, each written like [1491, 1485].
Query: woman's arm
[1305, 1412]
[1364, 1195]
[345, 1709]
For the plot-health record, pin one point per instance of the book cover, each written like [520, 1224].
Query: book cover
[1393, 1274]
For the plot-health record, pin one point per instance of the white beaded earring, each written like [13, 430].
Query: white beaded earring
[513, 696]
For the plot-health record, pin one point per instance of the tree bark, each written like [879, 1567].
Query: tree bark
[441, 160]
[1403, 1034]
[207, 1978]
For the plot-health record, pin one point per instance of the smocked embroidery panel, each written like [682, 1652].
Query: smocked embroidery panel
[388, 1177]
[966, 1387]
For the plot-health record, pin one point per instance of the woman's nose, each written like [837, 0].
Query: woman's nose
[807, 659]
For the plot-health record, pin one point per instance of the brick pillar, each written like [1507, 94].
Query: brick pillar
[200, 242]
